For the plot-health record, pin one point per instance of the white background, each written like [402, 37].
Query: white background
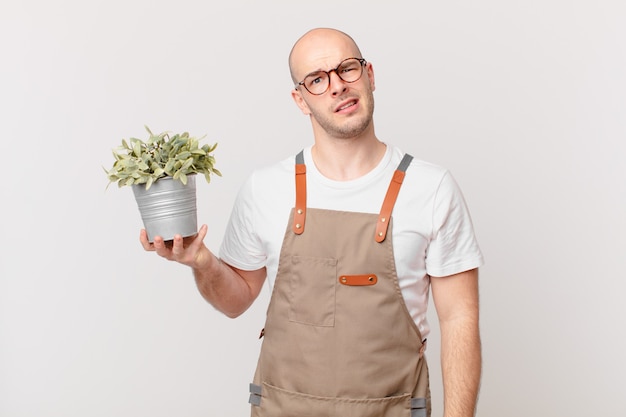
[524, 101]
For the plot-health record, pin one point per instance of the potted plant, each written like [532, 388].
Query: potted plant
[161, 172]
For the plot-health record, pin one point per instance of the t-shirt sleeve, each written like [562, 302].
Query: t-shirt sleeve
[453, 247]
[241, 246]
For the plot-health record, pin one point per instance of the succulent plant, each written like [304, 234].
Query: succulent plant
[162, 155]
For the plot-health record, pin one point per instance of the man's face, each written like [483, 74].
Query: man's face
[346, 109]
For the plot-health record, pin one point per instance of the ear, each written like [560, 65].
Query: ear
[370, 75]
[297, 97]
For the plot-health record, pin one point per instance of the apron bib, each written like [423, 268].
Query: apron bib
[338, 338]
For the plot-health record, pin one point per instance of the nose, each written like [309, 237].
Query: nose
[337, 85]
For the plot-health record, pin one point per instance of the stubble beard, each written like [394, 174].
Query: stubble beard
[351, 128]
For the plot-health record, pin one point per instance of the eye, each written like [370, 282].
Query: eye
[314, 79]
[352, 65]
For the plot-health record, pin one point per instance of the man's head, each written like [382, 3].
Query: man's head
[330, 87]
[308, 41]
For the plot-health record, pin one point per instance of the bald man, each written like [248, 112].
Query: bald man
[370, 233]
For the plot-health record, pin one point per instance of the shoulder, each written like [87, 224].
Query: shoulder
[277, 170]
[417, 165]
[270, 183]
[420, 173]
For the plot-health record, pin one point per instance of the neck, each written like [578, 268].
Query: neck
[347, 159]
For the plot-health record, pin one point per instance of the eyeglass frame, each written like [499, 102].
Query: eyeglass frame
[362, 61]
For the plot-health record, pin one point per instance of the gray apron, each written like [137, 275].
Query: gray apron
[338, 338]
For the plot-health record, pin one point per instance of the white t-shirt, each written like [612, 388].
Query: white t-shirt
[432, 230]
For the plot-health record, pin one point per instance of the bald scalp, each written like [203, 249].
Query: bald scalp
[310, 35]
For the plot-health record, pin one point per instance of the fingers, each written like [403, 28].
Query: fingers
[199, 238]
[143, 238]
[162, 248]
[179, 249]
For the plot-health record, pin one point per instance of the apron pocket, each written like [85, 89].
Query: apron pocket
[277, 402]
[312, 290]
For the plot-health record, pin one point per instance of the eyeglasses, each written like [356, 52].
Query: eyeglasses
[349, 70]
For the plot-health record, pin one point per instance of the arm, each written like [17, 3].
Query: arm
[228, 289]
[456, 301]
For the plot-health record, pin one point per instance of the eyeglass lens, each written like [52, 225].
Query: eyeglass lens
[349, 70]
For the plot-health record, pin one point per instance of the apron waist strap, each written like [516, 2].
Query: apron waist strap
[418, 405]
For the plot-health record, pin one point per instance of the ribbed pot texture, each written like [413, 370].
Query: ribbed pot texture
[168, 207]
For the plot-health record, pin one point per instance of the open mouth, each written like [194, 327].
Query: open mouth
[346, 105]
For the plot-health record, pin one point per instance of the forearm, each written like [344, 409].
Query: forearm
[228, 289]
[461, 366]
[223, 287]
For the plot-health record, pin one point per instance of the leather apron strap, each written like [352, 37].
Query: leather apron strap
[300, 209]
[390, 199]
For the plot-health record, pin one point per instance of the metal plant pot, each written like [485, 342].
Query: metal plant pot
[168, 207]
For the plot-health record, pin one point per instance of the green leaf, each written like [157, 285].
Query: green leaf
[169, 166]
[137, 148]
[187, 164]
[183, 155]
